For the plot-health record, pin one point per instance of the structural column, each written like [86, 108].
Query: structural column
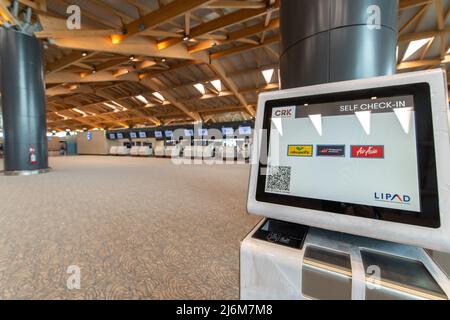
[335, 40]
[22, 89]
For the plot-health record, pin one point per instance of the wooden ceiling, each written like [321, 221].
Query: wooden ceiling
[96, 74]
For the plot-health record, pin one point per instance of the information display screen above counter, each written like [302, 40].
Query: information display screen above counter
[340, 154]
[245, 131]
[158, 134]
[133, 135]
[228, 132]
[143, 135]
[119, 135]
[112, 136]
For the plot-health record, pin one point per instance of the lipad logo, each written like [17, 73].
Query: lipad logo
[392, 198]
[284, 112]
[300, 151]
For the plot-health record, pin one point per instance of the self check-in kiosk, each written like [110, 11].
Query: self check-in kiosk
[353, 180]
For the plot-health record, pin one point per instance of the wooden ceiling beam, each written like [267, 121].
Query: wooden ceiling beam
[5, 14]
[64, 62]
[239, 16]
[244, 48]
[268, 87]
[422, 63]
[237, 36]
[218, 69]
[149, 83]
[408, 37]
[161, 16]
[248, 71]
[172, 68]
[407, 4]
[414, 18]
[237, 5]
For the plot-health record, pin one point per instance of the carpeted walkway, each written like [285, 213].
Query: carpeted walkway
[136, 228]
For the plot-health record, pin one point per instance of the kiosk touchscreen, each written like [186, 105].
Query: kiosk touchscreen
[366, 157]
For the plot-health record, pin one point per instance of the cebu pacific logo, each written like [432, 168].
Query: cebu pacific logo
[300, 151]
[392, 198]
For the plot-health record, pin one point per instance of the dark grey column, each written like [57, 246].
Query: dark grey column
[329, 40]
[22, 89]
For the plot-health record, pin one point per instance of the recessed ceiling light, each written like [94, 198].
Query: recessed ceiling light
[80, 112]
[200, 88]
[159, 96]
[111, 106]
[84, 54]
[268, 74]
[415, 46]
[217, 84]
[142, 99]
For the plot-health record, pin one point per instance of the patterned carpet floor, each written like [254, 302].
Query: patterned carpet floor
[135, 228]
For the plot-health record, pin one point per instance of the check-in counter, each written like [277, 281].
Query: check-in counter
[123, 151]
[113, 151]
[145, 151]
[134, 152]
[160, 151]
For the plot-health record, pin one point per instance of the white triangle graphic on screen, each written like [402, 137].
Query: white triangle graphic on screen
[365, 118]
[404, 116]
[278, 125]
[316, 119]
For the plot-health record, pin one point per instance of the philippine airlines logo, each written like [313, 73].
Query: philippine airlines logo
[368, 152]
[392, 198]
[284, 112]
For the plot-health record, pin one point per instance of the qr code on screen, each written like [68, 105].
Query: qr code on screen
[279, 179]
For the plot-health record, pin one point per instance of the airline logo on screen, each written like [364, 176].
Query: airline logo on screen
[368, 152]
[284, 112]
[331, 151]
[392, 198]
[300, 151]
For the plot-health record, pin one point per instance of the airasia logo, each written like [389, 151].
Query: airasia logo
[368, 152]
[287, 112]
